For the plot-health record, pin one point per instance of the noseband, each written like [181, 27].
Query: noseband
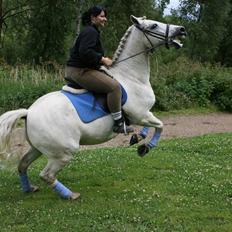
[147, 33]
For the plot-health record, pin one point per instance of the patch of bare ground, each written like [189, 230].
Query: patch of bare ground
[174, 127]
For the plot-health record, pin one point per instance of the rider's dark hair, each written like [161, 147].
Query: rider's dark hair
[93, 11]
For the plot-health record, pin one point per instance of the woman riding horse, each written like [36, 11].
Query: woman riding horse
[85, 59]
[56, 130]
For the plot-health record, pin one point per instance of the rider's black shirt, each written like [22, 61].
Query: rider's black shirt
[87, 50]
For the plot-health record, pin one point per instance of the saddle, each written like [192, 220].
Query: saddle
[89, 106]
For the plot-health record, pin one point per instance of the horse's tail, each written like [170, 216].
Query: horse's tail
[7, 123]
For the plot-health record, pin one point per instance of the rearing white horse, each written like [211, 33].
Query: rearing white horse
[53, 127]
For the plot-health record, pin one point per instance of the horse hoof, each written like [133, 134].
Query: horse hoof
[75, 196]
[143, 150]
[34, 188]
[134, 139]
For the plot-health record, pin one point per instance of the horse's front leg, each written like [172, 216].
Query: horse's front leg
[151, 121]
[137, 137]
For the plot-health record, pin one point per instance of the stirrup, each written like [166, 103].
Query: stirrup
[122, 128]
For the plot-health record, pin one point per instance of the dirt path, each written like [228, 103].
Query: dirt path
[183, 126]
[177, 126]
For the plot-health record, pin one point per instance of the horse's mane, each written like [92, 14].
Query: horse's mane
[122, 44]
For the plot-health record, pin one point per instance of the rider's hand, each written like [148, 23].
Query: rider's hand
[106, 61]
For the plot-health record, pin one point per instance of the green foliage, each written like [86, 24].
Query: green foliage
[13, 31]
[224, 55]
[48, 27]
[22, 85]
[178, 84]
[183, 185]
[46, 30]
[184, 84]
[38, 31]
[205, 23]
[222, 94]
[119, 19]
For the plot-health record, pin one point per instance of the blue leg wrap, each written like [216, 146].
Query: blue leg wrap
[144, 132]
[62, 190]
[25, 184]
[154, 140]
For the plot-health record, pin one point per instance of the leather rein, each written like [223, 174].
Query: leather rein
[152, 34]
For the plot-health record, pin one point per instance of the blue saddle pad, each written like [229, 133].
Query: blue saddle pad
[87, 110]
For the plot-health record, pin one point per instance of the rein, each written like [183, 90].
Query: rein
[151, 49]
[129, 57]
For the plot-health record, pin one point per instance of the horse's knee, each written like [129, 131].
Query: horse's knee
[159, 125]
[48, 177]
[151, 121]
[53, 167]
[159, 129]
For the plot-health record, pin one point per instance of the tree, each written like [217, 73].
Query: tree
[48, 27]
[14, 25]
[119, 18]
[44, 32]
[206, 26]
[162, 4]
[1, 19]
[224, 55]
[9, 9]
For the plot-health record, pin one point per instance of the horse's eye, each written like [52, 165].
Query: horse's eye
[153, 26]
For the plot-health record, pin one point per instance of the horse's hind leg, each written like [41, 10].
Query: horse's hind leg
[24, 163]
[49, 176]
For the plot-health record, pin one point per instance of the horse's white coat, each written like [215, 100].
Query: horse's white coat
[53, 126]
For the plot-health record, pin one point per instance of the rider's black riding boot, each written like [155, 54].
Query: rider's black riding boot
[121, 127]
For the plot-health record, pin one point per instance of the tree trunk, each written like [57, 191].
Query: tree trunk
[79, 13]
[1, 20]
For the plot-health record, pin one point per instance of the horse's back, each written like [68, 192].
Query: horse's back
[52, 122]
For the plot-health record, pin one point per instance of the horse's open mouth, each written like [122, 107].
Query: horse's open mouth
[178, 41]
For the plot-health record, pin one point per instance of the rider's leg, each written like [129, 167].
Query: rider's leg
[100, 82]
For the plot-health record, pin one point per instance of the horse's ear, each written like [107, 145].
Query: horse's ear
[134, 20]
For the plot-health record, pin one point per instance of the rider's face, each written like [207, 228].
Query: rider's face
[99, 20]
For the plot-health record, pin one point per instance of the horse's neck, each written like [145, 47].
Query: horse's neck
[136, 69]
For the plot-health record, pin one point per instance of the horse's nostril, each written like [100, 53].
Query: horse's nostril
[182, 29]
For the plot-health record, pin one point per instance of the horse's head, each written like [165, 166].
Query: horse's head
[158, 33]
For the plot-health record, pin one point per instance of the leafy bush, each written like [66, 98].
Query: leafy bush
[183, 83]
[179, 83]
[22, 85]
[222, 94]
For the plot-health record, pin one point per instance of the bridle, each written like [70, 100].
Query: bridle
[147, 33]
[156, 35]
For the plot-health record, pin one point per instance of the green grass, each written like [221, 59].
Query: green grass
[182, 185]
[189, 111]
